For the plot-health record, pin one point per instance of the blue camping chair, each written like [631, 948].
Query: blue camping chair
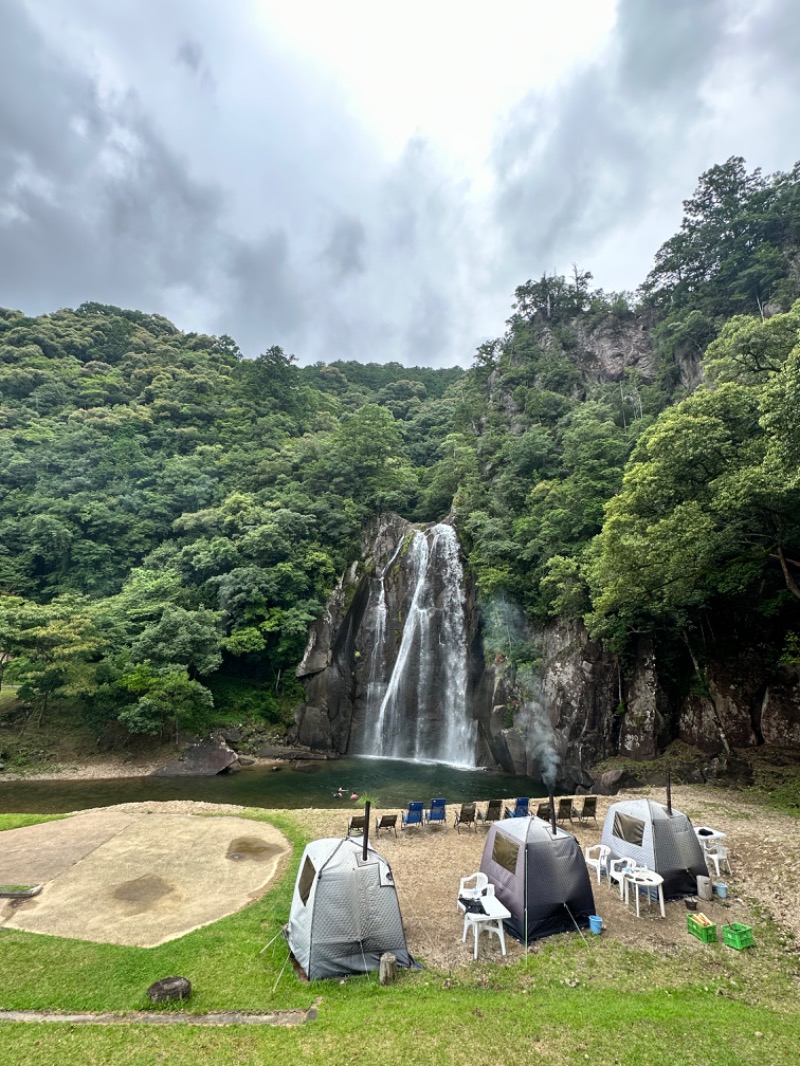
[436, 813]
[520, 808]
[413, 816]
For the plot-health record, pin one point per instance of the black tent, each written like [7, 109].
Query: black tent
[540, 875]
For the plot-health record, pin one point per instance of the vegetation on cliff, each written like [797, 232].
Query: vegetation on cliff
[173, 516]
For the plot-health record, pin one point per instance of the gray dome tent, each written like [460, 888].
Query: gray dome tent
[540, 876]
[345, 913]
[658, 838]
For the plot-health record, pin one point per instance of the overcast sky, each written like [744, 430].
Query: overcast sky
[353, 179]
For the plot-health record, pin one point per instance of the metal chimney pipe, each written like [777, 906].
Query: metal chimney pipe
[366, 830]
[553, 821]
[669, 794]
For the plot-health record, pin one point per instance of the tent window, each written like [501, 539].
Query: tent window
[505, 852]
[306, 880]
[628, 828]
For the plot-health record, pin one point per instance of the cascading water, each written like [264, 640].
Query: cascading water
[419, 711]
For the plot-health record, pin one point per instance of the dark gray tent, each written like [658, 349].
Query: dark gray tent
[540, 875]
[345, 912]
[658, 838]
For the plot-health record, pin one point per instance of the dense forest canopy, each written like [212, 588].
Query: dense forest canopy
[173, 516]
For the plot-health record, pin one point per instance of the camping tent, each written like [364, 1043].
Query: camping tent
[657, 837]
[345, 913]
[540, 875]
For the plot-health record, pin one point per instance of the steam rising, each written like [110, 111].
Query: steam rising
[509, 642]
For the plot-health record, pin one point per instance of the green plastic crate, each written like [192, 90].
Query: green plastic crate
[706, 933]
[738, 936]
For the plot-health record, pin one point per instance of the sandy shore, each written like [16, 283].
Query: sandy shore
[108, 767]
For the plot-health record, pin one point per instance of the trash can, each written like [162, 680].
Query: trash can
[595, 923]
[721, 889]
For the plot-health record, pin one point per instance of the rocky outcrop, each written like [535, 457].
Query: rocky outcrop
[582, 706]
[204, 758]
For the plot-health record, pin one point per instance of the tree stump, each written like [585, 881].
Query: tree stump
[169, 988]
[388, 971]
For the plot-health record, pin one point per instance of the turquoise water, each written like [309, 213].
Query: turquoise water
[387, 783]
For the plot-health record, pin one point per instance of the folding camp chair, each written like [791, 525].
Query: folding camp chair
[466, 816]
[357, 825]
[387, 822]
[564, 810]
[543, 811]
[413, 816]
[493, 813]
[587, 811]
[436, 813]
[520, 808]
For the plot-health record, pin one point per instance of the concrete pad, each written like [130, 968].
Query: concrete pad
[152, 879]
[38, 853]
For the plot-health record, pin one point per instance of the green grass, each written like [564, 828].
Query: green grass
[16, 821]
[569, 1002]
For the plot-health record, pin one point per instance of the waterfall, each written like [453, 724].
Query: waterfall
[419, 711]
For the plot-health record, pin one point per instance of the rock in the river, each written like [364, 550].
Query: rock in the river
[203, 759]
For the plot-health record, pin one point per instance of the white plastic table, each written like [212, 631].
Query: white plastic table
[708, 836]
[648, 879]
[491, 921]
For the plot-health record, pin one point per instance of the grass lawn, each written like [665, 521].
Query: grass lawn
[570, 1002]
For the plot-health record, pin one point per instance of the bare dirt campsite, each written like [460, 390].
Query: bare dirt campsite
[145, 873]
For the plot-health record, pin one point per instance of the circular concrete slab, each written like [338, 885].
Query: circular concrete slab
[140, 879]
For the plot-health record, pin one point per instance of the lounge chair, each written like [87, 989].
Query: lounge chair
[436, 813]
[493, 812]
[466, 816]
[564, 810]
[543, 811]
[587, 811]
[357, 825]
[520, 808]
[413, 816]
[387, 822]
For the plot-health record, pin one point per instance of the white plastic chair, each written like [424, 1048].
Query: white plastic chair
[618, 870]
[718, 854]
[597, 858]
[473, 885]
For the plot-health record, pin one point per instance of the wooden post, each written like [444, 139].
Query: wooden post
[388, 970]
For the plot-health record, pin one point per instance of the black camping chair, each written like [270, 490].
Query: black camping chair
[357, 826]
[493, 813]
[387, 822]
[543, 811]
[587, 811]
[564, 810]
[466, 816]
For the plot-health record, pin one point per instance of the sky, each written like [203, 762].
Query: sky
[363, 180]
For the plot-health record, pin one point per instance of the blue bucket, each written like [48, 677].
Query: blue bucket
[721, 889]
[595, 923]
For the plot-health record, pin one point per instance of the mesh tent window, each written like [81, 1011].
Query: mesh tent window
[306, 880]
[628, 828]
[505, 852]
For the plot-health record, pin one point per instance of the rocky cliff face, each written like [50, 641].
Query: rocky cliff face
[581, 708]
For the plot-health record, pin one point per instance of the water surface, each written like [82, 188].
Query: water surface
[388, 783]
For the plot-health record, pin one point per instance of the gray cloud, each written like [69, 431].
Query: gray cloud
[207, 173]
[581, 161]
[344, 252]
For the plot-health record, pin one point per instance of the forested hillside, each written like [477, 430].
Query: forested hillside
[173, 516]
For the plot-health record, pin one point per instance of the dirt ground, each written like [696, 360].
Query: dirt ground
[427, 865]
